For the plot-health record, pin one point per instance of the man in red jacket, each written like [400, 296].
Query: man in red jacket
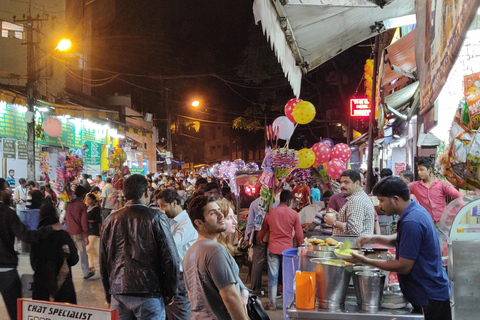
[280, 221]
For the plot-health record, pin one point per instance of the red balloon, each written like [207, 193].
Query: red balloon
[341, 152]
[335, 168]
[322, 152]
[289, 108]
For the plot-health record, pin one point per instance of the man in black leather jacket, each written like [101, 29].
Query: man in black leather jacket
[138, 258]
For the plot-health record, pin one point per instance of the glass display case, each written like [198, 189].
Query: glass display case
[459, 235]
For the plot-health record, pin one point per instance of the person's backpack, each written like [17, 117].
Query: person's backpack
[255, 309]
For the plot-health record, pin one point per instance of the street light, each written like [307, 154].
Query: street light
[31, 87]
[195, 103]
[64, 45]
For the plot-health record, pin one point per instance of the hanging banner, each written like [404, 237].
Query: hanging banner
[441, 29]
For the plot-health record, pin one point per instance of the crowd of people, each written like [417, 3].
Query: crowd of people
[168, 252]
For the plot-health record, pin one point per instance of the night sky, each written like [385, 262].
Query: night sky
[211, 50]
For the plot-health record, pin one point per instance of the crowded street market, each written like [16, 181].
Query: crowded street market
[264, 160]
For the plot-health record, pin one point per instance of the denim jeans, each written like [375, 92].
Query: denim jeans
[180, 308]
[273, 267]
[11, 289]
[138, 308]
[82, 252]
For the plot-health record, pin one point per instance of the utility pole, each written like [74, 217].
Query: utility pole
[31, 88]
[371, 126]
[168, 159]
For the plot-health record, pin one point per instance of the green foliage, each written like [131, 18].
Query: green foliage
[241, 123]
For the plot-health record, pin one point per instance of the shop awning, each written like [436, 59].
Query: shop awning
[401, 57]
[306, 33]
[360, 140]
[399, 102]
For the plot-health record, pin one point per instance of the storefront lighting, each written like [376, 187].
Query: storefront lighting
[20, 108]
[3, 106]
[42, 109]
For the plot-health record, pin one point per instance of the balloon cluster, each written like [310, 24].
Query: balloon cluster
[227, 170]
[296, 111]
[368, 76]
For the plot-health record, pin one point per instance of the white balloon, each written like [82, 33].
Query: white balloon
[286, 127]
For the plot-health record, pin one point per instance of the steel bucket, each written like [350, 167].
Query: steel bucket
[332, 277]
[355, 280]
[371, 286]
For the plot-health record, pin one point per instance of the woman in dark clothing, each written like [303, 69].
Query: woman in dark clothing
[51, 261]
[94, 218]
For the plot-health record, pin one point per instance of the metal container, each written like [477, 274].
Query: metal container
[371, 289]
[332, 277]
[305, 255]
[355, 280]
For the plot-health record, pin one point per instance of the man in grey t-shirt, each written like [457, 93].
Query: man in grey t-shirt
[210, 279]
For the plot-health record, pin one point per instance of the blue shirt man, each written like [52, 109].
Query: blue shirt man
[11, 178]
[418, 261]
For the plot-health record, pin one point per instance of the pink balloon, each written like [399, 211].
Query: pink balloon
[289, 108]
[53, 127]
[322, 152]
[341, 152]
[335, 168]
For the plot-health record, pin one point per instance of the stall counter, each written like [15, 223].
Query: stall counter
[351, 311]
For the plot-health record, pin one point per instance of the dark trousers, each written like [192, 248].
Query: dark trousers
[11, 289]
[437, 310]
[259, 258]
[180, 308]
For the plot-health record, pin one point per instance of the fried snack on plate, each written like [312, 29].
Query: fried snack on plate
[331, 242]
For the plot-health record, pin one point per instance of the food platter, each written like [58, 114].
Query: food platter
[319, 244]
[343, 255]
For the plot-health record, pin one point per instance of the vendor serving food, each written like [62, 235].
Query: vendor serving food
[418, 262]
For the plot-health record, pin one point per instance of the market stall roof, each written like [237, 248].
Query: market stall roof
[401, 57]
[400, 101]
[307, 33]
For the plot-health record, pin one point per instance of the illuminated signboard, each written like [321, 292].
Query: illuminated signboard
[359, 107]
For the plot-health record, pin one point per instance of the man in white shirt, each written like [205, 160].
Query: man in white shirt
[99, 182]
[107, 201]
[20, 194]
[184, 235]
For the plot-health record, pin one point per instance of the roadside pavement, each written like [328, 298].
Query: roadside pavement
[90, 292]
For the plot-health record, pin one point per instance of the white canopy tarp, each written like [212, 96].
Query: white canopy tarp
[306, 33]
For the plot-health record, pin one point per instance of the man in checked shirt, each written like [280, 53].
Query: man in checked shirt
[356, 217]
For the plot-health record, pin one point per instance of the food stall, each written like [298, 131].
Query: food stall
[337, 289]
[459, 235]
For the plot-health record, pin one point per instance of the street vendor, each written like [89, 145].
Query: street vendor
[418, 262]
[430, 192]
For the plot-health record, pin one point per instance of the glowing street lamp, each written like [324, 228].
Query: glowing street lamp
[195, 103]
[64, 45]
